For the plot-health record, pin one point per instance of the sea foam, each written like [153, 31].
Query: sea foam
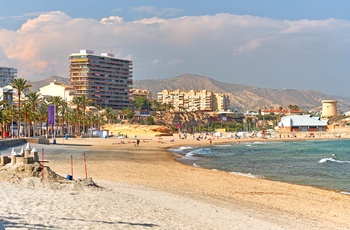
[332, 160]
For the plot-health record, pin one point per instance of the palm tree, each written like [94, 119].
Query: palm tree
[9, 113]
[34, 100]
[27, 114]
[84, 102]
[77, 102]
[109, 113]
[42, 113]
[20, 85]
[81, 103]
[64, 115]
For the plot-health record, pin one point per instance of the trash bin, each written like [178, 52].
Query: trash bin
[66, 136]
[54, 141]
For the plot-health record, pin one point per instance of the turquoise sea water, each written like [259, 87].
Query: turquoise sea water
[324, 164]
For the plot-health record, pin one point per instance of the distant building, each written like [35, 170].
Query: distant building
[7, 75]
[301, 123]
[57, 89]
[281, 111]
[103, 78]
[192, 100]
[222, 102]
[329, 108]
[6, 94]
[140, 92]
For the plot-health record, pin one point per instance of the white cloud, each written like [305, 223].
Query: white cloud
[149, 21]
[112, 20]
[46, 18]
[266, 50]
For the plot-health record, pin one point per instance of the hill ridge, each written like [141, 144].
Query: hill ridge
[242, 97]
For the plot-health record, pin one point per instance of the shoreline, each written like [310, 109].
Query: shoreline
[151, 167]
[182, 159]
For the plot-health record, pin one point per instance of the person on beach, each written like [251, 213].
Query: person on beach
[137, 142]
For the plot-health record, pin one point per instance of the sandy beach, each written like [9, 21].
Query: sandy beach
[146, 187]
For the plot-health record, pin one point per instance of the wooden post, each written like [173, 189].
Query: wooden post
[42, 163]
[85, 167]
[71, 165]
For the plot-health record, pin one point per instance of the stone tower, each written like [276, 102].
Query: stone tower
[329, 108]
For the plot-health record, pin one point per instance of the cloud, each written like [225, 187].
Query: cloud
[112, 20]
[230, 48]
[45, 19]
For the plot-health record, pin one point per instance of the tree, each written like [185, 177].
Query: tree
[150, 121]
[155, 105]
[109, 113]
[42, 114]
[34, 100]
[20, 85]
[293, 107]
[142, 103]
[64, 114]
[27, 113]
[81, 102]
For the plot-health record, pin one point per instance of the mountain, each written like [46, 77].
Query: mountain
[38, 84]
[244, 97]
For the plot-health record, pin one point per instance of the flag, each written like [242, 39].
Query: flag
[51, 114]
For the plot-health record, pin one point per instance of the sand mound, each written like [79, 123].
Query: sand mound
[31, 176]
[14, 173]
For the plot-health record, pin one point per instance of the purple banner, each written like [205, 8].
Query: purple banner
[51, 114]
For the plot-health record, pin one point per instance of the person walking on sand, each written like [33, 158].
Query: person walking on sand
[138, 142]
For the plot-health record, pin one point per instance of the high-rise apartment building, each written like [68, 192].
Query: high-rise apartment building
[103, 78]
[192, 100]
[7, 75]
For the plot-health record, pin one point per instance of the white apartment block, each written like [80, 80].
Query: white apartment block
[57, 89]
[192, 100]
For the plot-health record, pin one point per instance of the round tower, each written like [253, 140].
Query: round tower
[329, 108]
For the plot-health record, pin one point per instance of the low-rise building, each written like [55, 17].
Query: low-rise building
[57, 89]
[300, 123]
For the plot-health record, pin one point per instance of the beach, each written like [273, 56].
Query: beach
[146, 187]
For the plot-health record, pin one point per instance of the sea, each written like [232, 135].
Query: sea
[319, 163]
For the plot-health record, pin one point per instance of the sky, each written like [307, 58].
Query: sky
[299, 44]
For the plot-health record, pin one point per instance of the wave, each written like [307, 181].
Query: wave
[180, 149]
[190, 155]
[185, 147]
[324, 160]
[245, 175]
